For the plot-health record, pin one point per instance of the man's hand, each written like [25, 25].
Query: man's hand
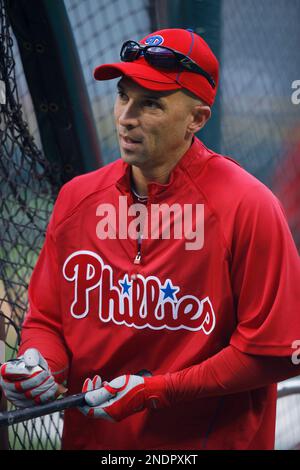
[123, 396]
[27, 380]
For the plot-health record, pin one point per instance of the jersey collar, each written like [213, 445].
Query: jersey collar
[158, 191]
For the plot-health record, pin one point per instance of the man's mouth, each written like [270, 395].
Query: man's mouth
[128, 143]
[130, 140]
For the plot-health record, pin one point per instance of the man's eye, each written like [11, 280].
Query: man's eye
[151, 104]
[121, 95]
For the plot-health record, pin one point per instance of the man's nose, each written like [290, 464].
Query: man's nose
[128, 117]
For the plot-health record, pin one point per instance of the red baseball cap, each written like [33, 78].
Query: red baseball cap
[181, 40]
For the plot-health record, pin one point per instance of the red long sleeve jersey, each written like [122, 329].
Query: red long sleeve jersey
[165, 302]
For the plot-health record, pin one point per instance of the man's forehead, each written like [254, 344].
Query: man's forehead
[127, 84]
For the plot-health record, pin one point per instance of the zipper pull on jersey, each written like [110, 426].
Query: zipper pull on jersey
[138, 258]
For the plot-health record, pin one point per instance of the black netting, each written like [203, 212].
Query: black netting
[27, 190]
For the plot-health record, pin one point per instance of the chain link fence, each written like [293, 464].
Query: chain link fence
[260, 125]
[100, 28]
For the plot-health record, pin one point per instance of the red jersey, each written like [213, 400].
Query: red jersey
[118, 305]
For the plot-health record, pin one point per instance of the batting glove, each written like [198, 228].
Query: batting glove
[123, 396]
[27, 380]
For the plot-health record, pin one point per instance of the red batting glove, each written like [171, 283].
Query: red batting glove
[124, 396]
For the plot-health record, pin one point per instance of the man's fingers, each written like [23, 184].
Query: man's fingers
[87, 385]
[15, 370]
[94, 396]
[95, 413]
[92, 384]
[48, 395]
[38, 378]
[31, 357]
[97, 382]
[42, 388]
[98, 397]
[18, 399]
[33, 397]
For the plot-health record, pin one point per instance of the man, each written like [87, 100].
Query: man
[172, 259]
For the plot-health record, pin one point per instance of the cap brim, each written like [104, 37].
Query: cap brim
[144, 75]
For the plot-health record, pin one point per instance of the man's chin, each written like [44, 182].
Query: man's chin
[131, 158]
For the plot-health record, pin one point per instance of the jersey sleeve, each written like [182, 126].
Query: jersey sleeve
[42, 327]
[265, 273]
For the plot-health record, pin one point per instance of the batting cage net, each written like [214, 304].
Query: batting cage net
[259, 126]
[28, 187]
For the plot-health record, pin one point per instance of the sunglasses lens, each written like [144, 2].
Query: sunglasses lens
[161, 58]
[130, 51]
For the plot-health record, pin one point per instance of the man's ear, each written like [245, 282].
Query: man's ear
[200, 115]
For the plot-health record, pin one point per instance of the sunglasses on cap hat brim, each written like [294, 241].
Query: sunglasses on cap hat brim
[163, 58]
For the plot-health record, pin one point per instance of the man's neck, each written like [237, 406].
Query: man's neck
[141, 177]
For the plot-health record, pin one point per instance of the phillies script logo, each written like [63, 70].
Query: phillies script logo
[142, 302]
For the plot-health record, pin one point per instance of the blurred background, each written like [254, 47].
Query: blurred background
[56, 122]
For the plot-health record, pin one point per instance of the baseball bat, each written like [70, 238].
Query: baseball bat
[7, 418]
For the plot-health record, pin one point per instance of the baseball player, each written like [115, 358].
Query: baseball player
[214, 321]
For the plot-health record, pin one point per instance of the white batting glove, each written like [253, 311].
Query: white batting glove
[27, 380]
[115, 400]
[124, 396]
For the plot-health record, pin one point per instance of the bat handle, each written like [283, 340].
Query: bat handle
[72, 401]
[12, 417]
